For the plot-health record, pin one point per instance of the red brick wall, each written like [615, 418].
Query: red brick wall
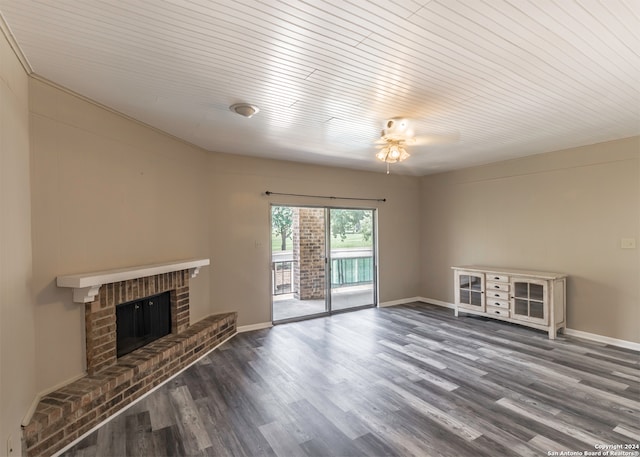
[309, 253]
[100, 315]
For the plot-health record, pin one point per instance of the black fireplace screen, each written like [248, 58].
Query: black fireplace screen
[142, 321]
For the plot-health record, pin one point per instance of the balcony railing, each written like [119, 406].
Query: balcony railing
[351, 271]
[345, 271]
[282, 277]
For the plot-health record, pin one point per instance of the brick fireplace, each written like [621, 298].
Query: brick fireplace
[112, 383]
[100, 315]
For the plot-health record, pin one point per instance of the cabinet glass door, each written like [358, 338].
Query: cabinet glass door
[470, 290]
[529, 300]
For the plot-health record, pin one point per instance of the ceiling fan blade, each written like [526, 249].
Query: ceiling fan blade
[448, 138]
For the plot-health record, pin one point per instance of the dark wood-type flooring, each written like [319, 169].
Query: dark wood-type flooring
[401, 381]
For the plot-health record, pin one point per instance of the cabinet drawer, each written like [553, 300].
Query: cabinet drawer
[502, 295]
[497, 278]
[504, 304]
[497, 286]
[495, 311]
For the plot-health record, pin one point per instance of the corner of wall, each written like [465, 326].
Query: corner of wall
[17, 317]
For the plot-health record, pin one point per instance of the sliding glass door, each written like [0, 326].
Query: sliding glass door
[351, 257]
[322, 261]
[298, 256]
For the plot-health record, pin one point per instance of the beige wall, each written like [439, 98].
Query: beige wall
[17, 339]
[240, 227]
[109, 192]
[563, 211]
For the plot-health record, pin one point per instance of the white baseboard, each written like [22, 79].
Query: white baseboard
[569, 332]
[602, 339]
[402, 301]
[252, 327]
[145, 395]
[433, 301]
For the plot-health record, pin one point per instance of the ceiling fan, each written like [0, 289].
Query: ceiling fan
[398, 133]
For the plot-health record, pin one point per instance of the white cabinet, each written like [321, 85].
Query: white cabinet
[533, 298]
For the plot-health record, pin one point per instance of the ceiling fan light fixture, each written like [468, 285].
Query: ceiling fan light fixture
[392, 153]
[244, 109]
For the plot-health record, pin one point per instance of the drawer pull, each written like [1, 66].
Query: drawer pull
[496, 295]
[496, 287]
[496, 277]
[497, 312]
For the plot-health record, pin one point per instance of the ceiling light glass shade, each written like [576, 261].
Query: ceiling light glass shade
[244, 109]
[392, 153]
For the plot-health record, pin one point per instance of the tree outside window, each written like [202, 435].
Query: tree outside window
[282, 223]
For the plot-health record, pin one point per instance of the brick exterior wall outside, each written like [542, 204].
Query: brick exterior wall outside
[66, 414]
[309, 253]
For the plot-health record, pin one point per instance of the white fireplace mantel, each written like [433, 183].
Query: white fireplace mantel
[87, 285]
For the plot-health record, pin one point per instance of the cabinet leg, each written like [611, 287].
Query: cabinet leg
[455, 312]
[552, 333]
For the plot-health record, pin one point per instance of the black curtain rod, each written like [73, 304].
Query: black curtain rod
[325, 196]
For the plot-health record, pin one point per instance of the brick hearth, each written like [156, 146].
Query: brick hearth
[113, 383]
[68, 413]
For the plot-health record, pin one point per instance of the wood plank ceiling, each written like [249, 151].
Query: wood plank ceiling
[508, 78]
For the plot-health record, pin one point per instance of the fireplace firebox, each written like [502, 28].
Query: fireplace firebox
[142, 321]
